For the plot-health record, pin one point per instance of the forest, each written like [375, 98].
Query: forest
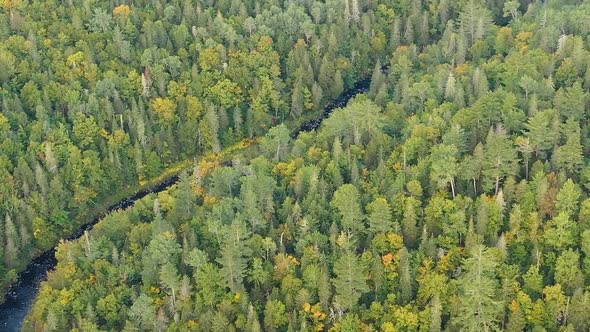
[94, 96]
[452, 196]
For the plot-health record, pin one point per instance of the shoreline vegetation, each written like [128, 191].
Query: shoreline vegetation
[453, 194]
[93, 97]
[308, 122]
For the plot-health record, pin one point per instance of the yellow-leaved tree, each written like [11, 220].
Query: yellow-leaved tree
[165, 108]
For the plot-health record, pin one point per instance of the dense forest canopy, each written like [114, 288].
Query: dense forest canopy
[453, 195]
[95, 95]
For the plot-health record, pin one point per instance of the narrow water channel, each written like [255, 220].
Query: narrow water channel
[21, 295]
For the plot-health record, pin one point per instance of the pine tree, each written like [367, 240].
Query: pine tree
[567, 271]
[410, 221]
[409, 31]
[501, 159]
[444, 167]
[212, 123]
[380, 218]
[324, 288]
[456, 137]
[233, 266]
[479, 309]
[351, 280]
[542, 132]
[337, 87]
[51, 322]
[472, 166]
[220, 322]
[169, 278]
[250, 211]
[395, 39]
[480, 83]
[11, 247]
[274, 315]
[556, 304]
[326, 76]
[459, 60]
[475, 21]
[561, 232]
[276, 142]
[354, 171]
[184, 197]
[297, 99]
[405, 277]
[355, 12]
[347, 10]
[568, 198]
[377, 79]
[50, 159]
[346, 200]
[424, 29]
[317, 95]
[435, 314]
[450, 87]
[570, 102]
[533, 282]
[253, 323]
[238, 121]
[569, 157]
[578, 311]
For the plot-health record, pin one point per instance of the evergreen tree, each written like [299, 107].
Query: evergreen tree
[351, 280]
[435, 314]
[405, 277]
[480, 309]
[233, 266]
[169, 278]
[561, 232]
[410, 221]
[567, 271]
[346, 201]
[11, 248]
[444, 166]
[501, 160]
[380, 218]
[569, 157]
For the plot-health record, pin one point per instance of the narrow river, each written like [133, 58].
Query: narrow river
[21, 295]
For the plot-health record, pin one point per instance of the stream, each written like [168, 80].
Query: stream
[20, 297]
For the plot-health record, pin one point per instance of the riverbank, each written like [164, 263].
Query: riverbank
[22, 293]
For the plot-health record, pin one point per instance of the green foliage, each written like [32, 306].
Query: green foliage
[276, 141]
[346, 201]
[351, 280]
[379, 216]
[479, 310]
[99, 100]
[350, 228]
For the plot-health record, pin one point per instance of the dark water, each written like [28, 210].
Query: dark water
[19, 298]
[359, 87]
[21, 295]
